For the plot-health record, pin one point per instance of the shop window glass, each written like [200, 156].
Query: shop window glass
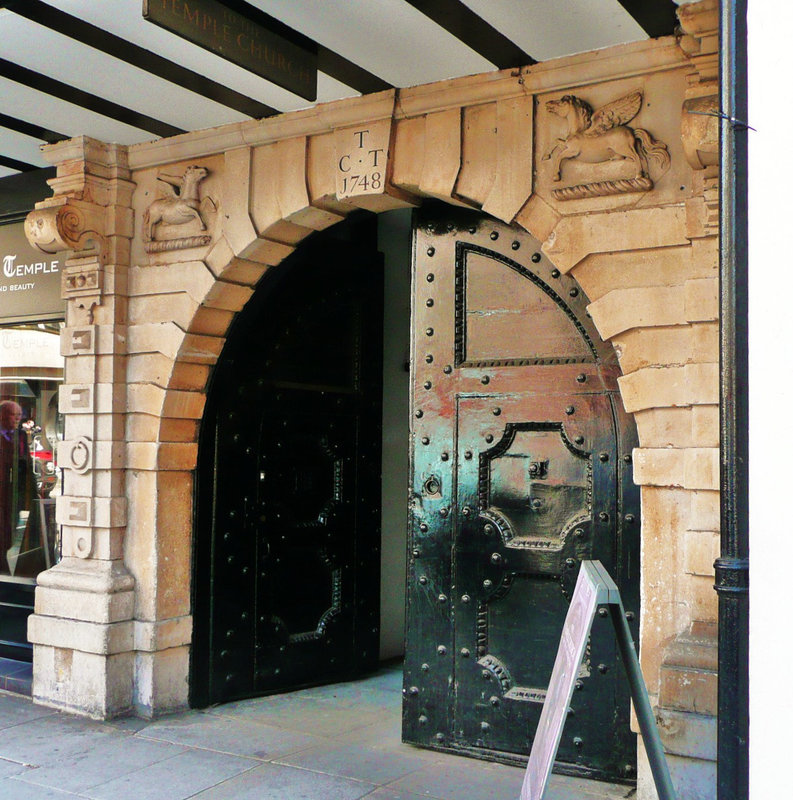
[31, 372]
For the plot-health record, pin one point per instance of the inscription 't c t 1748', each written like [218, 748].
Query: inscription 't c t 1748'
[362, 155]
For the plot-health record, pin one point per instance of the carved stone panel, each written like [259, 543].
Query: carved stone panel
[612, 145]
[594, 136]
[181, 217]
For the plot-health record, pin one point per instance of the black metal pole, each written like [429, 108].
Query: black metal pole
[732, 567]
[641, 704]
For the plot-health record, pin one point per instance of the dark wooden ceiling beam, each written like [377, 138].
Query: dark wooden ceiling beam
[474, 31]
[13, 163]
[656, 17]
[115, 46]
[70, 94]
[29, 129]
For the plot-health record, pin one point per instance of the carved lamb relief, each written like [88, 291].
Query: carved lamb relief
[594, 137]
[182, 206]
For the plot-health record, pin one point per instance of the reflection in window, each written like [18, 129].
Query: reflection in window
[31, 370]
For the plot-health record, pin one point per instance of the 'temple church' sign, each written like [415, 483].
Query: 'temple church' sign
[236, 38]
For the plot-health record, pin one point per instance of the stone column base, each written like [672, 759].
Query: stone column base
[88, 684]
[83, 638]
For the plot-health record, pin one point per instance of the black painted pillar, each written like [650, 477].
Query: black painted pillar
[732, 567]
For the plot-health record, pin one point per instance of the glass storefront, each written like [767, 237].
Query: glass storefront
[31, 370]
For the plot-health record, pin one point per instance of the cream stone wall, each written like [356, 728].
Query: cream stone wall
[155, 325]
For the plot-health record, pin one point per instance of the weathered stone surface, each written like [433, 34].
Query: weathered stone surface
[89, 684]
[87, 637]
[512, 183]
[692, 384]
[478, 155]
[599, 273]
[576, 237]
[443, 140]
[623, 309]
[161, 680]
[702, 299]
[665, 346]
[693, 779]
[685, 689]
[701, 549]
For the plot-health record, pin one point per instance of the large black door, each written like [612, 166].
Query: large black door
[288, 492]
[520, 470]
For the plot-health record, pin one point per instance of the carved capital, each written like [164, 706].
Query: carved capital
[65, 225]
[699, 130]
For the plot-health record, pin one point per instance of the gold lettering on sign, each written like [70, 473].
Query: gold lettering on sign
[362, 158]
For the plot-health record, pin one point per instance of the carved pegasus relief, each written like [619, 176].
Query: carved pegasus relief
[594, 137]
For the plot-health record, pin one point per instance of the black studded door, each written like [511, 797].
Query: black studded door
[288, 492]
[520, 469]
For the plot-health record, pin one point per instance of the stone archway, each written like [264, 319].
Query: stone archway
[144, 328]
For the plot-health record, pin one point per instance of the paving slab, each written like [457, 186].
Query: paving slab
[11, 789]
[236, 736]
[15, 709]
[176, 778]
[108, 760]
[43, 741]
[338, 742]
[355, 761]
[302, 714]
[277, 782]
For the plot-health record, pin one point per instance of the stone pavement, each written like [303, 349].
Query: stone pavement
[337, 742]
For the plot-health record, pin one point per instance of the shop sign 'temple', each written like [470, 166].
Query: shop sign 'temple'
[30, 281]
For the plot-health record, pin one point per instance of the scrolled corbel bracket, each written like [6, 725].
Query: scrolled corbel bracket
[66, 224]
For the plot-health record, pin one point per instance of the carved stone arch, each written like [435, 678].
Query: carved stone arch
[647, 261]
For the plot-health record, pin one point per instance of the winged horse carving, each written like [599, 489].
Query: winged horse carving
[604, 135]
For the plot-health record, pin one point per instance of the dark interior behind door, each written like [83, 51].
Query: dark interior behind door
[287, 557]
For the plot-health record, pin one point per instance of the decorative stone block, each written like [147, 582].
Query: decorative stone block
[76, 455]
[513, 169]
[641, 229]
[478, 157]
[693, 384]
[76, 400]
[78, 341]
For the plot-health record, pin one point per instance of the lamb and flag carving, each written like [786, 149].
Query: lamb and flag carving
[604, 135]
[181, 207]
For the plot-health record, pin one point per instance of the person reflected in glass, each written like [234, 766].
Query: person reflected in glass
[17, 491]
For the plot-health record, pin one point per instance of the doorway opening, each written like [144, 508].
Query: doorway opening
[519, 468]
[302, 461]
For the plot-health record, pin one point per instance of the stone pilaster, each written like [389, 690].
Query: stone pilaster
[82, 629]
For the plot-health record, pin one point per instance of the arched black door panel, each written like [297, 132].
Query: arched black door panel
[520, 470]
